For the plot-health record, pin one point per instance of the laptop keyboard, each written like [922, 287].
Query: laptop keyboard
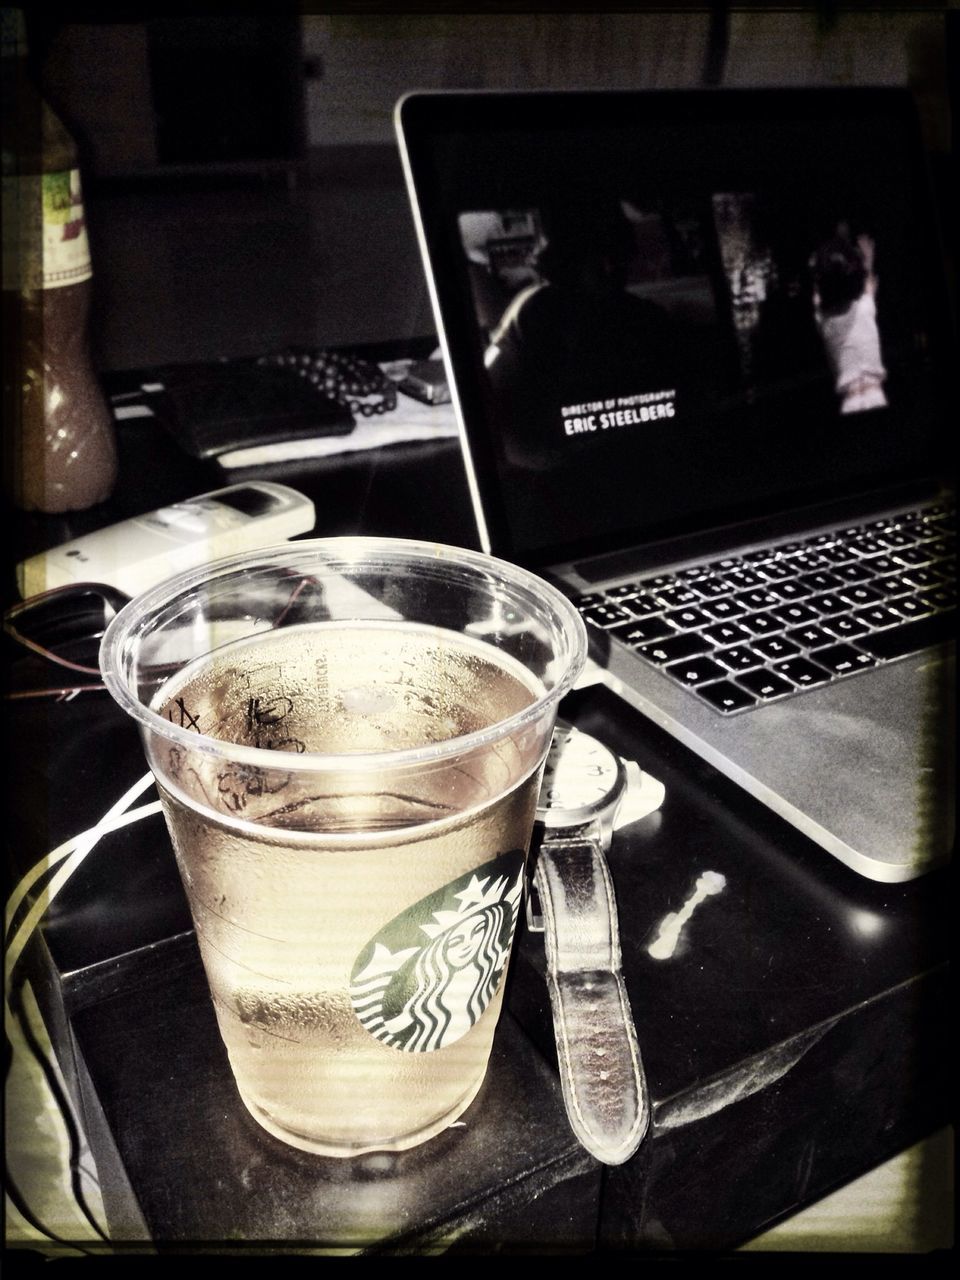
[775, 621]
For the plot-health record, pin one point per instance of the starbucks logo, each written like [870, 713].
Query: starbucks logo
[423, 981]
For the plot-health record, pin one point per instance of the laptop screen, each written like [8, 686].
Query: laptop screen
[666, 312]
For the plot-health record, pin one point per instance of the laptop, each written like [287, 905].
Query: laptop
[698, 344]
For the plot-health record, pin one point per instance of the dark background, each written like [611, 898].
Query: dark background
[242, 180]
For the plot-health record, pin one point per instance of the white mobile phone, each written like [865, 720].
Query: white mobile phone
[136, 553]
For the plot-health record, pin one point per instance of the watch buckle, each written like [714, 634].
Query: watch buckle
[533, 908]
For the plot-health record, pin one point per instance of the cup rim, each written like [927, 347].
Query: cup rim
[346, 550]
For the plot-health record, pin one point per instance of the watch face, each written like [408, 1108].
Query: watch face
[579, 774]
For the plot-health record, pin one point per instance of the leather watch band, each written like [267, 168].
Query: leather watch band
[601, 1073]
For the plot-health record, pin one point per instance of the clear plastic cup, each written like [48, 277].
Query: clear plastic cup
[347, 736]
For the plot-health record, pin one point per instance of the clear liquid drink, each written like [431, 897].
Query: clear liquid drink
[290, 889]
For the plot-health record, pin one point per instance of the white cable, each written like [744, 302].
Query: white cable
[121, 806]
[71, 853]
[42, 1127]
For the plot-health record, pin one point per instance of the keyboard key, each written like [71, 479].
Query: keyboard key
[807, 561]
[694, 671]
[692, 573]
[941, 597]
[760, 556]
[843, 659]
[775, 647]
[711, 588]
[675, 647]
[757, 599]
[642, 631]
[895, 538]
[910, 638]
[877, 616]
[624, 590]
[739, 658]
[775, 571]
[802, 672]
[892, 585]
[924, 577]
[836, 554]
[809, 637]
[604, 615]
[844, 627]
[910, 607]
[859, 594]
[588, 598]
[762, 624]
[913, 556]
[866, 546]
[727, 633]
[674, 597]
[686, 619]
[882, 564]
[723, 610]
[741, 579]
[828, 603]
[765, 684]
[790, 590]
[941, 549]
[794, 615]
[642, 606]
[855, 571]
[726, 696]
[822, 580]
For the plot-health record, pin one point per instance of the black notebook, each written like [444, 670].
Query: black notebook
[214, 409]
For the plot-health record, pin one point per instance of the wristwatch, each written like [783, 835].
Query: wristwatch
[587, 792]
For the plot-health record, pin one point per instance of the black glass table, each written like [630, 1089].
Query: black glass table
[793, 1029]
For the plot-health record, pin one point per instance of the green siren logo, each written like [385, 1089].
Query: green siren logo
[423, 981]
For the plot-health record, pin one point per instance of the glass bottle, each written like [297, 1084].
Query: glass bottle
[60, 445]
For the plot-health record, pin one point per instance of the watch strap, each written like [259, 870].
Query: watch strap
[601, 1072]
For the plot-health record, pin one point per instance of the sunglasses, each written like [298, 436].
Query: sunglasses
[62, 627]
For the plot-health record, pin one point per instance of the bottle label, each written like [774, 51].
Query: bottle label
[66, 250]
[45, 244]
